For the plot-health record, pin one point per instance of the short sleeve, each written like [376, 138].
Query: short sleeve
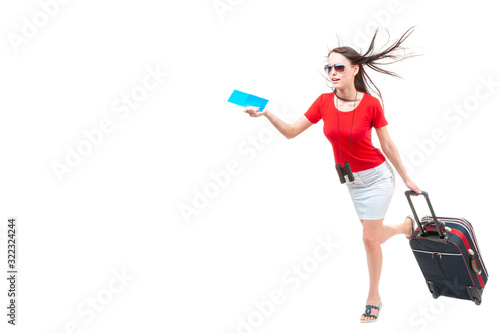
[378, 115]
[314, 111]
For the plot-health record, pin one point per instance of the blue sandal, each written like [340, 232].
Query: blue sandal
[368, 312]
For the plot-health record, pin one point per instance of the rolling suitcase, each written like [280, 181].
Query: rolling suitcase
[447, 252]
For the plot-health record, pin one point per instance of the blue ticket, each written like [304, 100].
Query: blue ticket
[243, 99]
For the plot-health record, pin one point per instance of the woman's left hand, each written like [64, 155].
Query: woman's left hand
[411, 185]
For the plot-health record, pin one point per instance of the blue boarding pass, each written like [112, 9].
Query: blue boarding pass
[243, 99]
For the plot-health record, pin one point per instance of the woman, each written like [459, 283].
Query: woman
[349, 113]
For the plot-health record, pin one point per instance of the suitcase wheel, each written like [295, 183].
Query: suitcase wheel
[433, 289]
[475, 294]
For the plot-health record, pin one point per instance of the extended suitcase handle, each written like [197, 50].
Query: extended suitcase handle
[436, 222]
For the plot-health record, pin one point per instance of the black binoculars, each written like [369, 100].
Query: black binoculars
[343, 171]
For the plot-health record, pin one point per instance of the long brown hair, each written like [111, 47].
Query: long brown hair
[373, 59]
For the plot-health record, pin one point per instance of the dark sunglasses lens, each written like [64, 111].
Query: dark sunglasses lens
[328, 69]
[339, 68]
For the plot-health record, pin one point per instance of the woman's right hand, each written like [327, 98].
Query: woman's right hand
[412, 186]
[253, 111]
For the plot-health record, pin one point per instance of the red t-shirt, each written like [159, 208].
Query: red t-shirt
[368, 114]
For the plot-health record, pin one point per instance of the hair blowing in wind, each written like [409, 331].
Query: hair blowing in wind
[374, 60]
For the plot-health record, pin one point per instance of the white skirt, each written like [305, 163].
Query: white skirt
[372, 190]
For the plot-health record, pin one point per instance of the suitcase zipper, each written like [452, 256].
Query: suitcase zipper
[473, 263]
[439, 253]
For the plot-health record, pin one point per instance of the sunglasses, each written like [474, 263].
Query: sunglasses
[339, 68]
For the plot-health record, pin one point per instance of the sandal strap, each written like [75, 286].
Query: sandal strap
[372, 307]
[368, 311]
[369, 315]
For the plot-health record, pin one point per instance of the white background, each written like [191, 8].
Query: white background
[119, 210]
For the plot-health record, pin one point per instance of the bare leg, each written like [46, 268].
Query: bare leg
[373, 234]
[396, 229]
[376, 233]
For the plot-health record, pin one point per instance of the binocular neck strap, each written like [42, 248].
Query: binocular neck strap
[338, 125]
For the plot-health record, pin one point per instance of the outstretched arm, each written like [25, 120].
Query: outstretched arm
[290, 131]
[392, 153]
